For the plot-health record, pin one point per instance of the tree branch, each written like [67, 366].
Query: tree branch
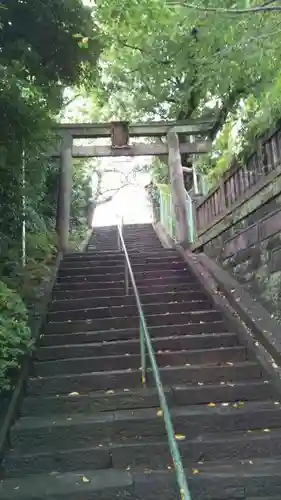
[222, 10]
[227, 105]
[149, 54]
[111, 196]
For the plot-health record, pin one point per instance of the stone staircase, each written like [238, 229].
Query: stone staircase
[89, 432]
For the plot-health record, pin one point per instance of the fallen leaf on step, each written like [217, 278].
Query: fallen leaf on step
[180, 437]
[85, 479]
[159, 413]
[212, 404]
[74, 394]
[110, 391]
[266, 430]
[195, 471]
[126, 390]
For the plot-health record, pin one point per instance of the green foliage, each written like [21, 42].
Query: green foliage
[163, 60]
[15, 335]
[175, 62]
[160, 171]
[239, 135]
[40, 55]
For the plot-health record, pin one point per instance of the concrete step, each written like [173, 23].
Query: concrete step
[256, 478]
[65, 433]
[130, 378]
[124, 362]
[125, 300]
[93, 336]
[205, 448]
[174, 343]
[139, 276]
[123, 311]
[149, 283]
[119, 255]
[93, 402]
[168, 318]
[92, 268]
[62, 292]
[139, 260]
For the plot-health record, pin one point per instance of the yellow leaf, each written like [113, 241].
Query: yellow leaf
[160, 413]
[212, 404]
[180, 437]
[195, 471]
[85, 479]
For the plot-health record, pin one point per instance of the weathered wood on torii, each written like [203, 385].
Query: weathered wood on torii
[120, 133]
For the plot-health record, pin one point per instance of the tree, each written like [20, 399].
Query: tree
[180, 59]
[179, 63]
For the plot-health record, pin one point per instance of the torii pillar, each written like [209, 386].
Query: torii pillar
[178, 189]
[65, 191]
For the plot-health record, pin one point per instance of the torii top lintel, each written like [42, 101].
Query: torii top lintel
[194, 126]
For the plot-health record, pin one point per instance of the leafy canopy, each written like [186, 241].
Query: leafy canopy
[178, 62]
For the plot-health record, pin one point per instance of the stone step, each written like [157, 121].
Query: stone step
[124, 362]
[62, 292]
[93, 336]
[133, 321]
[124, 311]
[238, 445]
[257, 479]
[117, 254]
[140, 276]
[90, 268]
[174, 343]
[148, 283]
[147, 425]
[100, 262]
[119, 379]
[125, 300]
[93, 402]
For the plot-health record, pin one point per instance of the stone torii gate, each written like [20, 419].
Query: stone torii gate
[120, 133]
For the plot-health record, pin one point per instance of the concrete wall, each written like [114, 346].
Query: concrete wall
[246, 241]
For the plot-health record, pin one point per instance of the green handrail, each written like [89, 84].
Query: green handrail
[146, 345]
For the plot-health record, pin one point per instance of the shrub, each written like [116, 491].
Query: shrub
[15, 335]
